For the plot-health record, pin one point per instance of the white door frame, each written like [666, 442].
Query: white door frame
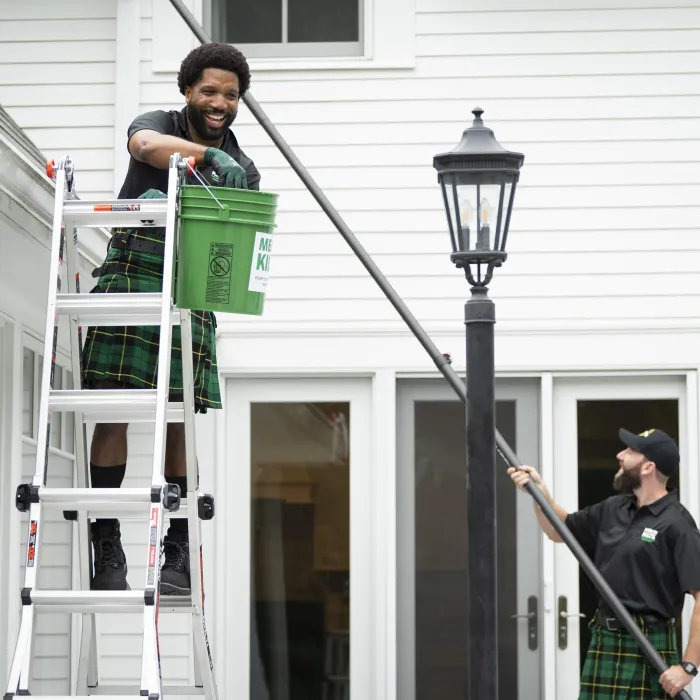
[408, 392]
[681, 386]
[232, 594]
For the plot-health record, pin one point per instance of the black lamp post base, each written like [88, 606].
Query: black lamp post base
[482, 601]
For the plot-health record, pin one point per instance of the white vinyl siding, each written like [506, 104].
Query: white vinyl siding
[57, 82]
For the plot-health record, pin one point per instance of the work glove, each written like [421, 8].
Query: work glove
[226, 172]
[153, 194]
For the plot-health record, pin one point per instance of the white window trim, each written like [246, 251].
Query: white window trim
[388, 40]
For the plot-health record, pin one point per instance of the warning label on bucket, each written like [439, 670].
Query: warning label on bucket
[219, 273]
[260, 264]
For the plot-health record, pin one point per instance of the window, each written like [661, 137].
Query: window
[294, 28]
[62, 425]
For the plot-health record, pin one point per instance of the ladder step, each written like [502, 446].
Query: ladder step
[89, 601]
[126, 503]
[87, 500]
[113, 213]
[114, 309]
[105, 602]
[114, 405]
[131, 691]
[79, 697]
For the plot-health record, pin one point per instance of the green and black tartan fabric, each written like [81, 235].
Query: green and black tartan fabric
[616, 669]
[130, 354]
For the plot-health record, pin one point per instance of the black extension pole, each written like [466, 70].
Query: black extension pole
[441, 362]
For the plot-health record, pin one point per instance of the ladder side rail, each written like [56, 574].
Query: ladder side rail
[86, 670]
[151, 680]
[203, 662]
[24, 653]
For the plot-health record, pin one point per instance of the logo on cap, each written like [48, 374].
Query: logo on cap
[647, 433]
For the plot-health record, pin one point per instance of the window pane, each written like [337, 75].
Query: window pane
[300, 474]
[324, 20]
[239, 22]
[441, 629]
[28, 393]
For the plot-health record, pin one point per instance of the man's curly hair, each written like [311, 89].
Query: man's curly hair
[214, 55]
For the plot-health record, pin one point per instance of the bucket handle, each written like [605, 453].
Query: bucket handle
[196, 174]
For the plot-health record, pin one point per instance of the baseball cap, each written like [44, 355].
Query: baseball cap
[656, 446]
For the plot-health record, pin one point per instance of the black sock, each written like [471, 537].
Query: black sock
[106, 478]
[178, 529]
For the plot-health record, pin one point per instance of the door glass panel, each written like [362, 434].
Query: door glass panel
[598, 424]
[436, 560]
[300, 607]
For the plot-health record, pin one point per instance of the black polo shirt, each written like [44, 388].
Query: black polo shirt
[649, 556]
[142, 177]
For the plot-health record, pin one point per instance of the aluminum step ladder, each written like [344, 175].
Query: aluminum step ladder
[133, 405]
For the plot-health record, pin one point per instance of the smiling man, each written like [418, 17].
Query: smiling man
[212, 79]
[647, 547]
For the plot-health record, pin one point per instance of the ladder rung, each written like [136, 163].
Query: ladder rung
[131, 691]
[114, 405]
[125, 503]
[114, 309]
[96, 499]
[89, 601]
[106, 602]
[114, 213]
[84, 697]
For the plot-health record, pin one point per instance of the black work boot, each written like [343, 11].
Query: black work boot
[110, 561]
[175, 574]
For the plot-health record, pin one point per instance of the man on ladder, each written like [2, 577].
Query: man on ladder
[212, 78]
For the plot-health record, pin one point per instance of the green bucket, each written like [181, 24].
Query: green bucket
[224, 250]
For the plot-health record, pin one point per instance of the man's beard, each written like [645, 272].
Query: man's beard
[204, 131]
[628, 481]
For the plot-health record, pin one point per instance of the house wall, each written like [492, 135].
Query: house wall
[57, 81]
[603, 257]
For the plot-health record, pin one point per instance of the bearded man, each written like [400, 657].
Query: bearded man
[647, 548]
[212, 79]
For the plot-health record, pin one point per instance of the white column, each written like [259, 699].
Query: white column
[126, 82]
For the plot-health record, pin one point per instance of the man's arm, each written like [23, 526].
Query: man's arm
[155, 149]
[674, 678]
[521, 477]
[692, 650]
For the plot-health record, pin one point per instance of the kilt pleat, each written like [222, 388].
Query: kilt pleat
[616, 669]
[129, 355]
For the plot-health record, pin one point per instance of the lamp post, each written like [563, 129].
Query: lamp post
[478, 180]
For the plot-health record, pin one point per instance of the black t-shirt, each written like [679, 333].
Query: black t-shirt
[650, 556]
[142, 177]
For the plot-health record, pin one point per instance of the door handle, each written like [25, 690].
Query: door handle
[532, 622]
[563, 622]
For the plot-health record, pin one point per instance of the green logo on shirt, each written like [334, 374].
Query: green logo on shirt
[649, 535]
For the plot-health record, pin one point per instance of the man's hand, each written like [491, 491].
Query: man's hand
[228, 172]
[525, 474]
[674, 679]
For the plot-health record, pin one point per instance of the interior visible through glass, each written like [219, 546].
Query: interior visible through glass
[598, 424]
[441, 553]
[300, 607]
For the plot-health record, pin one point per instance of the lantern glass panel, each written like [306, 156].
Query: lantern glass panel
[478, 215]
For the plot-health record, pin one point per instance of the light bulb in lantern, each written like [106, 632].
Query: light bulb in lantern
[465, 214]
[483, 238]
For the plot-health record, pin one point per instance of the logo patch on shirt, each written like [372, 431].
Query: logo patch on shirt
[649, 535]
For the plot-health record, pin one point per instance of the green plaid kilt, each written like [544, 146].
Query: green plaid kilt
[129, 355]
[616, 669]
